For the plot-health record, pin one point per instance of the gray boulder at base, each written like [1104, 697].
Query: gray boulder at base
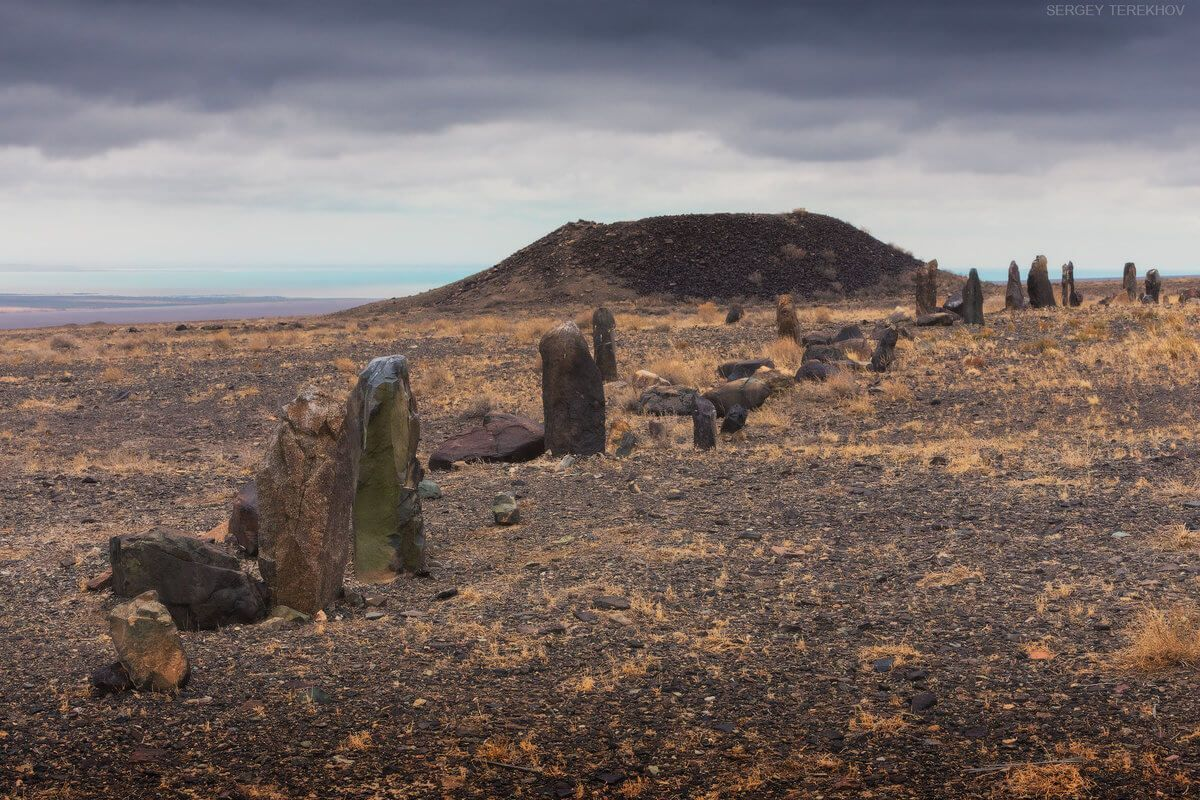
[1129, 280]
[1014, 295]
[954, 303]
[972, 299]
[572, 394]
[668, 401]
[306, 492]
[389, 531]
[733, 370]
[1041, 293]
[704, 425]
[201, 586]
[1153, 286]
[148, 644]
[885, 352]
[243, 519]
[749, 393]
[817, 371]
[925, 282]
[603, 342]
[508, 438]
[734, 315]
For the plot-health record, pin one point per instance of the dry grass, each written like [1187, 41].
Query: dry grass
[1162, 639]
[1045, 781]
[901, 653]
[951, 577]
[1175, 539]
[684, 372]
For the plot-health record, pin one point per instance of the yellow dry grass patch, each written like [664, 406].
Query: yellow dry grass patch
[1045, 781]
[950, 577]
[901, 653]
[1162, 639]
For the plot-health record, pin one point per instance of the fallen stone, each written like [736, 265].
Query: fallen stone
[608, 602]
[846, 333]
[148, 644]
[644, 377]
[506, 438]
[923, 701]
[749, 393]
[572, 394]
[943, 318]
[817, 371]
[735, 420]
[201, 586]
[736, 370]
[285, 616]
[505, 510]
[668, 401]
[306, 491]
[101, 581]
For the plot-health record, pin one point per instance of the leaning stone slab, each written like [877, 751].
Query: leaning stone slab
[389, 531]
[306, 491]
[201, 586]
[507, 438]
[734, 370]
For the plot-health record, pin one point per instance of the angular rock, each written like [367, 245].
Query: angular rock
[505, 510]
[1129, 280]
[925, 282]
[943, 318]
[1153, 286]
[1014, 295]
[429, 490]
[735, 314]
[735, 420]
[572, 394]
[786, 324]
[1041, 293]
[201, 586]
[847, 333]
[954, 304]
[972, 299]
[507, 438]
[668, 401]
[389, 530]
[749, 393]
[148, 644]
[735, 370]
[112, 679]
[817, 371]
[306, 491]
[604, 343]
[885, 352]
[704, 425]
[243, 519]
[829, 353]
[817, 337]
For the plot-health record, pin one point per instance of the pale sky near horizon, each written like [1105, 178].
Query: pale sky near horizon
[267, 134]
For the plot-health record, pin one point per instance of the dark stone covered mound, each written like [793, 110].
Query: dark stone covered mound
[692, 255]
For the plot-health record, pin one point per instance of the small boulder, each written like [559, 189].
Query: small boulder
[704, 425]
[817, 371]
[668, 401]
[885, 352]
[429, 490]
[148, 644]
[954, 304]
[644, 377]
[829, 353]
[735, 420]
[846, 333]
[506, 438]
[735, 314]
[749, 393]
[111, 679]
[935, 319]
[505, 510]
[735, 370]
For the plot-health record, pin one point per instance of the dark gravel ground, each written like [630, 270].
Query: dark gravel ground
[785, 607]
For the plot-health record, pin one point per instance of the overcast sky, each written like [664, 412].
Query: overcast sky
[387, 133]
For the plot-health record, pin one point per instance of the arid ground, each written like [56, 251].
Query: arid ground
[999, 528]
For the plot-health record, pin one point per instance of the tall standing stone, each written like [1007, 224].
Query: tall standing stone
[735, 314]
[389, 531]
[786, 324]
[1070, 297]
[1041, 292]
[572, 393]
[704, 424]
[1129, 280]
[972, 299]
[885, 351]
[1014, 295]
[1153, 286]
[306, 493]
[926, 281]
[603, 325]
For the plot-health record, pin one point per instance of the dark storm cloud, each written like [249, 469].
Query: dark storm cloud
[792, 80]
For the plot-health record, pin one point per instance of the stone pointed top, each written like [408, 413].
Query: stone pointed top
[1041, 262]
[932, 263]
[312, 411]
[1012, 264]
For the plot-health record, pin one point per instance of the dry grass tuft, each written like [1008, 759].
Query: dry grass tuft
[951, 577]
[1162, 639]
[1045, 781]
[709, 314]
[901, 653]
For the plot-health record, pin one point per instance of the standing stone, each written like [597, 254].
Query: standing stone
[243, 519]
[389, 531]
[926, 281]
[572, 394]
[704, 424]
[972, 299]
[1067, 284]
[603, 325]
[1153, 286]
[148, 644]
[786, 323]
[1014, 295]
[734, 315]
[1129, 280]
[885, 351]
[305, 498]
[1041, 292]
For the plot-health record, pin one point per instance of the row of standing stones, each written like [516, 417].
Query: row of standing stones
[341, 479]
